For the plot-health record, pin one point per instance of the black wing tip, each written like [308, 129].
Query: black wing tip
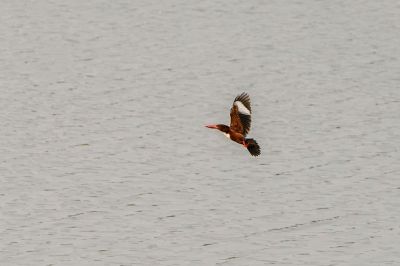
[243, 96]
[253, 147]
[245, 99]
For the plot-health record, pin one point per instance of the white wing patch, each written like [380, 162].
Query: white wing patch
[242, 108]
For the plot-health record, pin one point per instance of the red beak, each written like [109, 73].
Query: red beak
[211, 126]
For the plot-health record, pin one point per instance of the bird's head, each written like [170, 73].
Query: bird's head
[220, 127]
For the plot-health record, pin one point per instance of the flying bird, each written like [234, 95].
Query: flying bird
[240, 124]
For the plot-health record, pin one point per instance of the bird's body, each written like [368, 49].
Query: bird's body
[240, 124]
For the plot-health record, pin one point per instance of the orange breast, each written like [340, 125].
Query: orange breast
[236, 137]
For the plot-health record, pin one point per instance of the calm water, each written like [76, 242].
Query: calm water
[104, 159]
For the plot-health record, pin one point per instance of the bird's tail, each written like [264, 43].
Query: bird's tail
[252, 147]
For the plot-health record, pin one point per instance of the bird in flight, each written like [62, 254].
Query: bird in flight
[240, 124]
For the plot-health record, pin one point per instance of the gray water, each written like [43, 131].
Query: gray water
[104, 159]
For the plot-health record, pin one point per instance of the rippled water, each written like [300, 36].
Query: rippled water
[105, 161]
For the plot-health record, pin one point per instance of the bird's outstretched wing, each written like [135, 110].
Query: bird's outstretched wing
[253, 147]
[241, 114]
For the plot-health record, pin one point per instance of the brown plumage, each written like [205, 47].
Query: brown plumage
[240, 124]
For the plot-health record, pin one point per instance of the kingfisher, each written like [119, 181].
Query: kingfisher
[240, 124]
